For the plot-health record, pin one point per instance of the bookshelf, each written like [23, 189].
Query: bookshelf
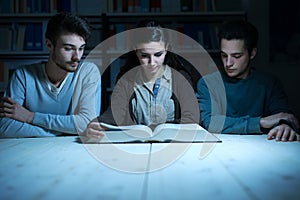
[106, 20]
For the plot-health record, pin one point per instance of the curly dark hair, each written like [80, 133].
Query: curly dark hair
[67, 23]
[241, 30]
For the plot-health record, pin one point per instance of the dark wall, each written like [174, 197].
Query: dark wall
[279, 45]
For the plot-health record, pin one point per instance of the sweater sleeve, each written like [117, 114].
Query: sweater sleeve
[86, 103]
[277, 100]
[185, 94]
[119, 111]
[13, 128]
[212, 105]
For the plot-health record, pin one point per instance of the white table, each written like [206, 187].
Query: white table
[241, 167]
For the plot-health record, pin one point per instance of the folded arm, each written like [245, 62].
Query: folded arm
[17, 121]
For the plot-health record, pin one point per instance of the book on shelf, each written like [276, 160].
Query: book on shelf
[20, 37]
[198, 32]
[29, 37]
[204, 34]
[2, 71]
[36, 6]
[186, 5]
[96, 36]
[90, 6]
[38, 36]
[33, 37]
[121, 38]
[145, 6]
[119, 41]
[213, 35]
[204, 5]
[154, 6]
[6, 38]
[3, 83]
[163, 133]
[115, 67]
[130, 5]
[197, 5]
[6, 6]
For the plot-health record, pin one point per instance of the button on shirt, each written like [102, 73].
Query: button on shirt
[149, 110]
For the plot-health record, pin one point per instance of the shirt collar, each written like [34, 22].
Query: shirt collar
[139, 79]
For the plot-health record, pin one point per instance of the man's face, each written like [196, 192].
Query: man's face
[67, 52]
[235, 58]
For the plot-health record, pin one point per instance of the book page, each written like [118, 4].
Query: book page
[183, 133]
[122, 134]
[187, 133]
[120, 128]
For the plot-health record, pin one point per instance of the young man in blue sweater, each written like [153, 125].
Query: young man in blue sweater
[255, 102]
[57, 97]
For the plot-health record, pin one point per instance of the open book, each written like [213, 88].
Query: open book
[181, 133]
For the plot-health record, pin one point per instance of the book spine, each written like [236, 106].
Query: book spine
[64, 5]
[84, 7]
[6, 38]
[119, 6]
[3, 83]
[1, 71]
[96, 36]
[186, 5]
[145, 5]
[110, 6]
[46, 6]
[5, 6]
[120, 40]
[38, 37]
[29, 37]
[112, 41]
[55, 6]
[22, 6]
[131, 6]
[20, 37]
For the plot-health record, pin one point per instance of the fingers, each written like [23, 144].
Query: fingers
[6, 109]
[297, 137]
[275, 133]
[283, 133]
[8, 100]
[94, 130]
[7, 106]
[288, 135]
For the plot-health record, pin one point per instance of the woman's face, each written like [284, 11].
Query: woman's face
[151, 56]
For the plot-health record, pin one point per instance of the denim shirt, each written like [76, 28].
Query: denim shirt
[148, 109]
